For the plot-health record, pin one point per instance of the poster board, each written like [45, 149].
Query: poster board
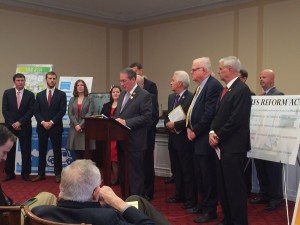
[99, 100]
[275, 128]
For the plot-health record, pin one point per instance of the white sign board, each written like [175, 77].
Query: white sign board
[275, 128]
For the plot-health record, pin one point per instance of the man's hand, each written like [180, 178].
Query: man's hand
[213, 140]
[191, 134]
[121, 121]
[16, 125]
[171, 126]
[106, 196]
[47, 125]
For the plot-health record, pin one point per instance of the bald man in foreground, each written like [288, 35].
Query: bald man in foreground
[269, 173]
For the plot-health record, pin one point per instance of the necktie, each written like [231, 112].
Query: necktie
[18, 99]
[49, 98]
[264, 93]
[176, 101]
[189, 112]
[125, 100]
[225, 89]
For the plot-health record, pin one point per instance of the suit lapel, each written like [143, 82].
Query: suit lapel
[131, 99]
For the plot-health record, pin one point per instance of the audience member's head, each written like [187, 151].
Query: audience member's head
[243, 75]
[140, 80]
[229, 68]
[137, 67]
[7, 140]
[127, 79]
[79, 84]
[267, 79]
[79, 180]
[180, 81]
[201, 69]
[114, 89]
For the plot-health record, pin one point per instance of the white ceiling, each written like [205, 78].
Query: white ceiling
[124, 12]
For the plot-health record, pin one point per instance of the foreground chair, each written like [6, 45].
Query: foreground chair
[10, 215]
[31, 219]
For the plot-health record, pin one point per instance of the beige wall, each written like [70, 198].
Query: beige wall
[263, 33]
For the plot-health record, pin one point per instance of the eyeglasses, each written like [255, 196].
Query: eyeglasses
[194, 70]
[123, 81]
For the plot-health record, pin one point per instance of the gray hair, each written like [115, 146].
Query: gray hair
[183, 77]
[79, 180]
[204, 62]
[232, 61]
[139, 79]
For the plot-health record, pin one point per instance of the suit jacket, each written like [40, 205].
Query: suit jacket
[91, 213]
[24, 114]
[179, 142]
[203, 113]
[232, 118]
[150, 86]
[87, 108]
[55, 112]
[137, 114]
[106, 109]
[275, 91]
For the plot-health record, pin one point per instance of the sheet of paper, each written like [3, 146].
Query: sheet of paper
[134, 203]
[177, 114]
[218, 151]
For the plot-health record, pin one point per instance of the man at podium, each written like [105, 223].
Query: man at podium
[134, 111]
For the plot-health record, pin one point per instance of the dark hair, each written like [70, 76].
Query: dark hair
[51, 73]
[75, 92]
[111, 90]
[136, 64]
[18, 75]
[243, 73]
[6, 134]
[131, 74]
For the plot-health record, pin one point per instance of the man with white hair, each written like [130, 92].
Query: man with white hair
[230, 134]
[180, 148]
[199, 118]
[82, 200]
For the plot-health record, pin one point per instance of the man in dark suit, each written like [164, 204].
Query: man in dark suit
[202, 111]
[134, 110]
[50, 107]
[17, 109]
[230, 135]
[180, 148]
[149, 155]
[82, 200]
[269, 173]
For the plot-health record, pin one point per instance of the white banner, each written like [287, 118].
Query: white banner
[275, 128]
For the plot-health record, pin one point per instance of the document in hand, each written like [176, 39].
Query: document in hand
[177, 114]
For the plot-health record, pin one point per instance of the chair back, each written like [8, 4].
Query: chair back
[10, 215]
[31, 219]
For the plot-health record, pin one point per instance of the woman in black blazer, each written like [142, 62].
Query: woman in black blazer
[108, 110]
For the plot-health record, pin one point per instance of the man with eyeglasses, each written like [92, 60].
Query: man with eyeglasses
[134, 110]
[201, 113]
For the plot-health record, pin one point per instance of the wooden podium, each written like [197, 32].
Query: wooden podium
[107, 130]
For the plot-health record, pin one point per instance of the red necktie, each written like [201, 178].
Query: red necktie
[49, 98]
[225, 89]
[264, 93]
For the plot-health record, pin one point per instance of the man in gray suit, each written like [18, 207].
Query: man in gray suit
[134, 110]
[269, 173]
